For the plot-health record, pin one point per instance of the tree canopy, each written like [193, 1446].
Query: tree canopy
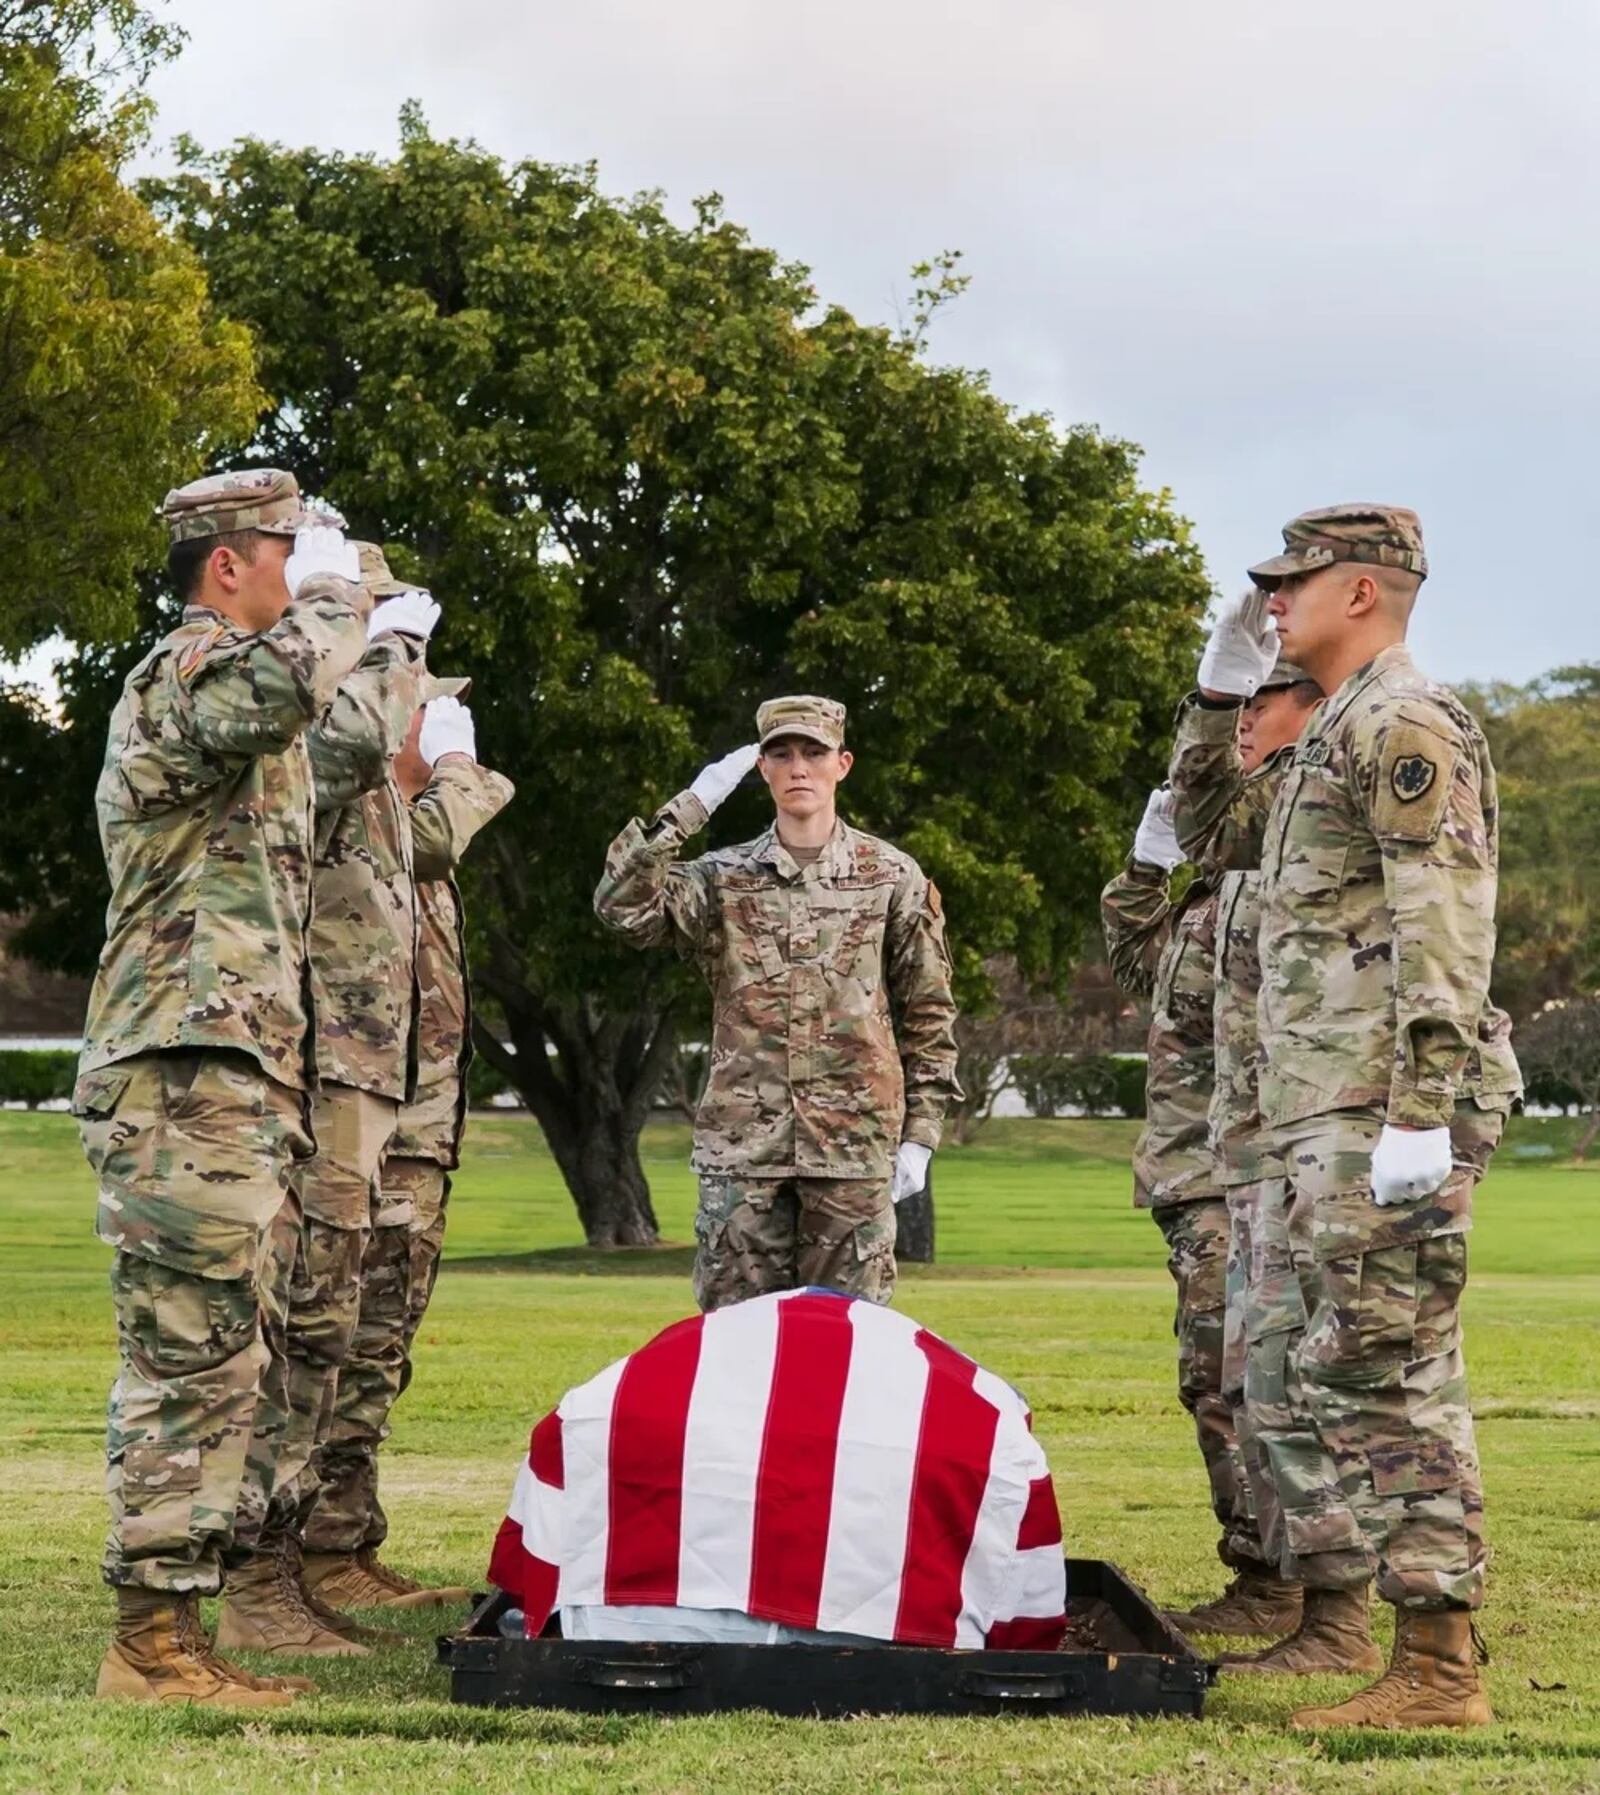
[115, 374]
[1545, 739]
[653, 479]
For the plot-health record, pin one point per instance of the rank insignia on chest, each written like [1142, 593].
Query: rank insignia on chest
[1411, 776]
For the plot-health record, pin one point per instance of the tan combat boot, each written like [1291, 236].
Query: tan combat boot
[1255, 1605]
[265, 1608]
[1432, 1680]
[358, 1580]
[1334, 1636]
[161, 1654]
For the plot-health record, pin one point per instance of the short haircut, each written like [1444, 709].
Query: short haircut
[1397, 588]
[186, 561]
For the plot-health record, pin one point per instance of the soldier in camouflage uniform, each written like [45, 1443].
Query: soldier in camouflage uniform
[1166, 951]
[833, 1052]
[1387, 1073]
[452, 797]
[197, 1056]
[1266, 1311]
[362, 944]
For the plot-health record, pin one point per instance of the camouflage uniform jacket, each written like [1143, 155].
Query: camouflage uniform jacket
[833, 1022]
[1379, 861]
[364, 910]
[1240, 1143]
[1167, 952]
[460, 798]
[206, 819]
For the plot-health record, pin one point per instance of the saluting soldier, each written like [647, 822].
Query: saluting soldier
[362, 943]
[451, 797]
[1387, 1074]
[833, 1054]
[198, 1055]
[1165, 949]
[1298, 1503]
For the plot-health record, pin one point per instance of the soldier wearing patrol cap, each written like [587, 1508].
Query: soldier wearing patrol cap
[198, 1054]
[1264, 1314]
[363, 944]
[833, 1048]
[451, 797]
[1387, 1074]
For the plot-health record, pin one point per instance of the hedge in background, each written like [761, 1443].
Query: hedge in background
[35, 1075]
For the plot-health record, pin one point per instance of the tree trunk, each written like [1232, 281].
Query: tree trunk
[914, 1226]
[590, 1079]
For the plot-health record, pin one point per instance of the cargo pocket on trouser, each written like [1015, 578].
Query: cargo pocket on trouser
[179, 1421]
[745, 1239]
[1385, 1381]
[846, 1236]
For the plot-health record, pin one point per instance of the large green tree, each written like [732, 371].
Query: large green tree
[115, 374]
[654, 480]
[1545, 739]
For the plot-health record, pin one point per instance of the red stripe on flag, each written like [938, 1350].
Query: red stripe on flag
[545, 1458]
[1027, 1635]
[530, 1582]
[1041, 1519]
[954, 1447]
[649, 1416]
[799, 1446]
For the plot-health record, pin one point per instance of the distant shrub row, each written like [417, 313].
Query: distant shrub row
[1090, 1084]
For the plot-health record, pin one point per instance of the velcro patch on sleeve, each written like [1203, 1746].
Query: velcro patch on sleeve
[1415, 770]
[193, 657]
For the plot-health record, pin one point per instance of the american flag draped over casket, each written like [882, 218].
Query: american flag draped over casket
[804, 1458]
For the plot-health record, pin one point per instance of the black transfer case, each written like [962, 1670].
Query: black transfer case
[1121, 1656]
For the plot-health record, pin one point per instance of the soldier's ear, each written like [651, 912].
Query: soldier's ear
[1362, 598]
[846, 761]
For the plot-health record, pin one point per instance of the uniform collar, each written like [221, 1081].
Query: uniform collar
[1396, 658]
[836, 860]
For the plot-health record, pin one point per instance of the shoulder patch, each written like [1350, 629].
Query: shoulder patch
[193, 657]
[1412, 788]
[935, 902]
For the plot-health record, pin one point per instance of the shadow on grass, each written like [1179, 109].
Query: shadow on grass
[672, 1260]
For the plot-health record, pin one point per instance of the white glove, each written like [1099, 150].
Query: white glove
[321, 549]
[446, 729]
[1408, 1163]
[910, 1170]
[714, 784]
[1155, 841]
[408, 614]
[1242, 648]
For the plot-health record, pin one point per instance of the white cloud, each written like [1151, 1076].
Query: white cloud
[1301, 254]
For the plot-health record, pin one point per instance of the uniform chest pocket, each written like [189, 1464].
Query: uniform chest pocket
[847, 930]
[755, 936]
[1317, 830]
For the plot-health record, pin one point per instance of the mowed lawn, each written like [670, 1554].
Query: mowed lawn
[1046, 1275]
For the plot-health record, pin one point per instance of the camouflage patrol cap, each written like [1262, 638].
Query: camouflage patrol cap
[818, 719]
[376, 575]
[1379, 535]
[254, 498]
[1285, 673]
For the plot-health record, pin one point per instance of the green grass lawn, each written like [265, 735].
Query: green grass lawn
[1046, 1275]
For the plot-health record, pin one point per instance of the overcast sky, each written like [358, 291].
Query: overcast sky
[1300, 253]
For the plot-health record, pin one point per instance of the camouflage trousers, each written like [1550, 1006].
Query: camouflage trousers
[1379, 1371]
[1197, 1236]
[339, 1198]
[757, 1235]
[1292, 1485]
[194, 1154]
[398, 1271]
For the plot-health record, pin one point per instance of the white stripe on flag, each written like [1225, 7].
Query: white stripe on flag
[586, 1467]
[1039, 1590]
[878, 1430]
[988, 1577]
[722, 1455]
